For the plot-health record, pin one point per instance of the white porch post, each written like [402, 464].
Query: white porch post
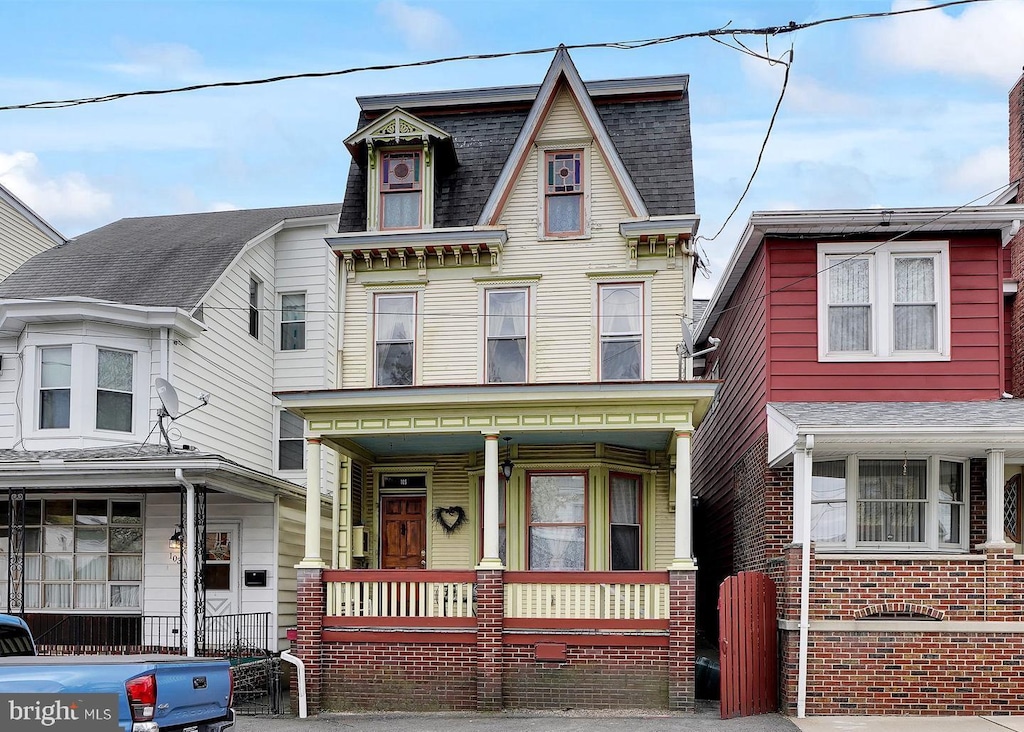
[684, 506]
[188, 548]
[490, 559]
[312, 558]
[995, 533]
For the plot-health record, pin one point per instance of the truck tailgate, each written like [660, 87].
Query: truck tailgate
[191, 690]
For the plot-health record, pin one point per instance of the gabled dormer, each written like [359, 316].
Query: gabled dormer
[401, 154]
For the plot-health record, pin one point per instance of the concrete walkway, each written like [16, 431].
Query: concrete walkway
[910, 724]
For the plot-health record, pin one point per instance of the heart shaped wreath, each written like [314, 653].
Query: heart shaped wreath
[450, 518]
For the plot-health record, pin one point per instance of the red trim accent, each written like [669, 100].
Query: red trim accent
[398, 575]
[392, 638]
[587, 623]
[649, 641]
[585, 578]
[382, 622]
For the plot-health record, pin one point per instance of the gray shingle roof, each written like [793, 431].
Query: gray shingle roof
[152, 260]
[120, 452]
[994, 413]
[652, 138]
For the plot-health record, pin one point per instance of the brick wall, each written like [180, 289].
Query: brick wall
[1016, 150]
[310, 595]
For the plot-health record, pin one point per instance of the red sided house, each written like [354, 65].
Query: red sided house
[863, 454]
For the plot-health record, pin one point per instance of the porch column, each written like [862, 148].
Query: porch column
[995, 534]
[684, 506]
[490, 559]
[312, 558]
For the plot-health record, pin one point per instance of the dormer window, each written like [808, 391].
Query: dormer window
[401, 189]
[563, 193]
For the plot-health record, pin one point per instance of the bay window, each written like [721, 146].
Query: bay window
[625, 521]
[557, 531]
[883, 301]
[55, 388]
[506, 323]
[115, 375]
[890, 503]
[394, 339]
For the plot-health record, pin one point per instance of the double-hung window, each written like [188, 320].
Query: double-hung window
[401, 189]
[115, 375]
[889, 503]
[290, 443]
[563, 193]
[625, 521]
[55, 388]
[620, 315]
[506, 318]
[557, 521]
[293, 322]
[394, 339]
[883, 301]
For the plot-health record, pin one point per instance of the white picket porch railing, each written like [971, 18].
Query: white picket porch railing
[587, 595]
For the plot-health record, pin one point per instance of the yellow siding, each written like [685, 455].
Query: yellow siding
[664, 523]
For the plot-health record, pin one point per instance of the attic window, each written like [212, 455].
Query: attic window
[401, 189]
[563, 193]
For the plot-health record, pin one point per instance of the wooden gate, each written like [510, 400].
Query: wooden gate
[748, 645]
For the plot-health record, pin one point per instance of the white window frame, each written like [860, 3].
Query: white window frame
[882, 284]
[644, 325]
[282, 322]
[131, 393]
[38, 412]
[375, 299]
[931, 519]
[584, 145]
[278, 439]
[255, 308]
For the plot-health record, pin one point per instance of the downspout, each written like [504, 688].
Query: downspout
[301, 681]
[188, 551]
[805, 572]
[165, 353]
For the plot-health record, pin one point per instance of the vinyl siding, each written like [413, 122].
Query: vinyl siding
[20, 240]
[10, 404]
[291, 522]
[974, 370]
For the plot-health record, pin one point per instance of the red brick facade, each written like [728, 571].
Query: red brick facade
[1016, 150]
[482, 664]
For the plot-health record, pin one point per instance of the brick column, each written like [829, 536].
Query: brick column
[1016, 150]
[490, 619]
[311, 606]
[682, 638]
[1003, 600]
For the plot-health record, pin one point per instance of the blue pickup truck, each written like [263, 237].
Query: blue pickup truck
[155, 692]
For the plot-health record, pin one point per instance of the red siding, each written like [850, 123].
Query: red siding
[727, 432]
[975, 370]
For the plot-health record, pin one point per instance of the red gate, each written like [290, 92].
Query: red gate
[748, 645]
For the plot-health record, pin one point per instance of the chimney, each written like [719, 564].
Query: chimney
[1016, 246]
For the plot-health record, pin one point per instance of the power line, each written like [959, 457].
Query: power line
[774, 30]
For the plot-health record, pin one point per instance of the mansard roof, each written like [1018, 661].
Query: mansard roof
[646, 121]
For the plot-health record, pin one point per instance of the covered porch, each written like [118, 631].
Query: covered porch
[502, 546]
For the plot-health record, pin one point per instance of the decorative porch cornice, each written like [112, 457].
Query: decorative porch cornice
[403, 250]
[664, 236]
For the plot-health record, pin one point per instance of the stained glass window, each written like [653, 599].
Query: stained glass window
[563, 193]
[401, 189]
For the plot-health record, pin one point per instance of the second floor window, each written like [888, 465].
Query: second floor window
[55, 388]
[401, 189]
[394, 339]
[563, 193]
[293, 322]
[621, 340]
[255, 300]
[887, 301]
[505, 358]
[291, 445]
[114, 379]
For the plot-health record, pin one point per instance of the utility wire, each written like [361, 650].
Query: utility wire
[774, 30]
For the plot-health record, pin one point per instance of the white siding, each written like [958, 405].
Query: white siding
[10, 405]
[20, 239]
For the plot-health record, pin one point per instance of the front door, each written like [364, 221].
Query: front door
[403, 532]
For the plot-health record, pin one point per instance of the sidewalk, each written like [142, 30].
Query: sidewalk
[910, 724]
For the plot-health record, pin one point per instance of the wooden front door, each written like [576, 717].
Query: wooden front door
[403, 532]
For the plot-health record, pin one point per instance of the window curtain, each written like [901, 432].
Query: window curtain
[915, 311]
[621, 331]
[892, 501]
[396, 329]
[625, 522]
[506, 344]
[951, 502]
[828, 501]
[849, 304]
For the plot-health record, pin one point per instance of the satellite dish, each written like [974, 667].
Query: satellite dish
[168, 397]
[687, 339]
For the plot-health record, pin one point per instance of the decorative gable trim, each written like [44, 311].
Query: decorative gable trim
[561, 70]
[396, 127]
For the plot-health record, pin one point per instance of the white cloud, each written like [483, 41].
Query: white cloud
[168, 60]
[62, 201]
[223, 206]
[984, 170]
[421, 29]
[983, 41]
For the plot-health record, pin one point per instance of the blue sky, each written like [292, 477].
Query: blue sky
[908, 111]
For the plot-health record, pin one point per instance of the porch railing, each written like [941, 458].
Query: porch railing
[397, 593]
[603, 596]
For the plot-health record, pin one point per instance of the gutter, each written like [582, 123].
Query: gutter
[805, 571]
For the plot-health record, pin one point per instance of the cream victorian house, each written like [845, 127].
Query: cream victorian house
[514, 409]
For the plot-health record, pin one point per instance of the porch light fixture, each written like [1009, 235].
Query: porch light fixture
[174, 545]
[506, 467]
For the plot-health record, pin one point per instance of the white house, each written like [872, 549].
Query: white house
[23, 233]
